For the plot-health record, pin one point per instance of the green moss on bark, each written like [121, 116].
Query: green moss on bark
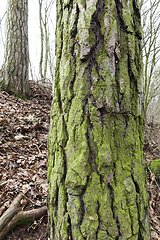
[96, 173]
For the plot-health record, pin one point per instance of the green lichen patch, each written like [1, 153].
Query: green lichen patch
[67, 69]
[22, 97]
[90, 220]
[77, 152]
[103, 235]
[105, 74]
[126, 15]
[124, 84]
[108, 221]
[132, 54]
[155, 168]
[75, 211]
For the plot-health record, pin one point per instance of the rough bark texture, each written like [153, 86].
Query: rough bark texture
[15, 68]
[96, 171]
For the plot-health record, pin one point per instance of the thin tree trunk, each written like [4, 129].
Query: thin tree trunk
[96, 171]
[16, 65]
[44, 56]
[42, 39]
[46, 41]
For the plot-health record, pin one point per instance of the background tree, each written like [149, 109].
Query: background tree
[1, 33]
[97, 180]
[46, 61]
[151, 52]
[15, 68]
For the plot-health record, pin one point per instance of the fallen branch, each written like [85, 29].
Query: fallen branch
[11, 211]
[33, 203]
[13, 216]
[2, 209]
[21, 218]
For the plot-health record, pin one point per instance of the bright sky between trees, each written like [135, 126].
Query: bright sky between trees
[34, 32]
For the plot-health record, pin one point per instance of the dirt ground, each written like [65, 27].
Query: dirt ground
[24, 127]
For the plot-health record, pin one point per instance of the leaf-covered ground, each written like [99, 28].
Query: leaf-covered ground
[24, 127]
[152, 152]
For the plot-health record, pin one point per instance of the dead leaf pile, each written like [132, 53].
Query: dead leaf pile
[154, 206]
[152, 151]
[24, 127]
[152, 141]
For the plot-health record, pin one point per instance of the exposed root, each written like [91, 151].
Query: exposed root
[13, 216]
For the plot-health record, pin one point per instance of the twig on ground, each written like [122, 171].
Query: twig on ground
[34, 203]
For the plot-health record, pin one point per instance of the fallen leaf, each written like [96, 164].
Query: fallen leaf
[19, 137]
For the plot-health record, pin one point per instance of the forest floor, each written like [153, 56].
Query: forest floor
[152, 152]
[24, 127]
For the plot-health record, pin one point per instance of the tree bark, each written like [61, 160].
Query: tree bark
[96, 170]
[16, 64]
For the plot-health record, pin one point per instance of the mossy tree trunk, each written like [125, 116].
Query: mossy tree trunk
[15, 68]
[96, 171]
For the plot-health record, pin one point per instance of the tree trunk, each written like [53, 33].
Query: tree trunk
[15, 68]
[96, 170]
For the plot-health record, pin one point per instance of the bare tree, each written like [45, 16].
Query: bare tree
[46, 61]
[151, 50]
[2, 44]
[1, 34]
[15, 68]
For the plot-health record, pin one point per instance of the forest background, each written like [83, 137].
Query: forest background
[151, 26]
[34, 34]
